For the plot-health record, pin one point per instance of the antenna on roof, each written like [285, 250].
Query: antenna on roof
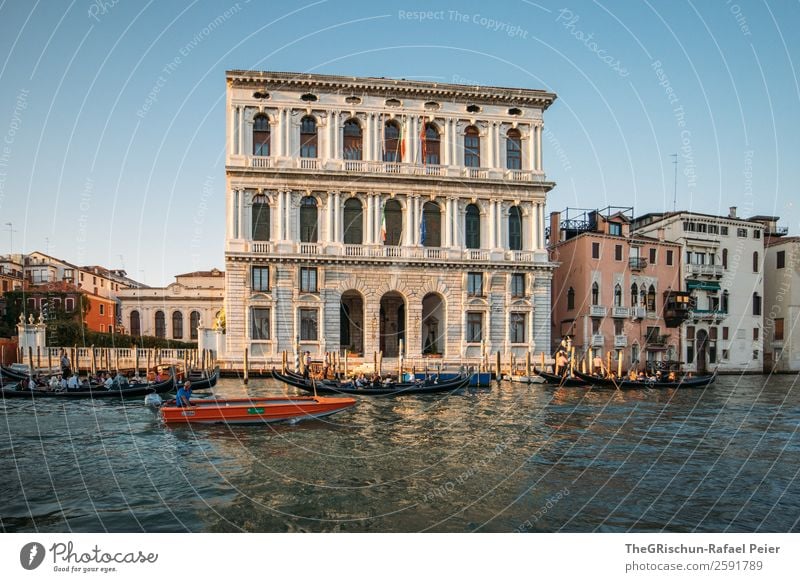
[675, 183]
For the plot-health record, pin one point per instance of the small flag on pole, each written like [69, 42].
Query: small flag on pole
[383, 224]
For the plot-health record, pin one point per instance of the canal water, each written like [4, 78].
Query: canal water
[512, 458]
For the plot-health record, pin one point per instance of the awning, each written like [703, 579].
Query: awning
[692, 284]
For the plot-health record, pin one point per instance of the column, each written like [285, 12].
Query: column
[367, 138]
[499, 230]
[446, 229]
[231, 211]
[541, 224]
[337, 217]
[539, 148]
[378, 218]
[454, 157]
[329, 218]
[532, 148]
[444, 144]
[242, 126]
[489, 141]
[491, 224]
[337, 145]
[232, 131]
[276, 145]
[369, 227]
[407, 238]
[497, 146]
[534, 226]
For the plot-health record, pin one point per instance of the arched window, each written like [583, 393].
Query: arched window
[755, 261]
[634, 295]
[643, 296]
[177, 325]
[353, 222]
[570, 299]
[308, 220]
[595, 293]
[260, 218]
[617, 295]
[651, 299]
[514, 229]
[432, 145]
[161, 325]
[392, 146]
[393, 217]
[136, 323]
[756, 303]
[194, 323]
[353, 143]
[431, 227]
[472, 227]
[472, 147]
[308, 137]
[261, 135]
[725, 301]
[513, 150]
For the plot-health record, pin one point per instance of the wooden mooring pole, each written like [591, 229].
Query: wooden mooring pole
[246, 366]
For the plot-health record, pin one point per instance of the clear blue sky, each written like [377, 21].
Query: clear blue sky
[89, 175]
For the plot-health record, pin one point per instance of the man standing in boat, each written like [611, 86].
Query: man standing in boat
[66, 366]
[184, 395]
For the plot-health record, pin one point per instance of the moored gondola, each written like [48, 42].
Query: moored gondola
[199, 382]
[430, 386]
[627, 384]
[132, 391]
[569, 381]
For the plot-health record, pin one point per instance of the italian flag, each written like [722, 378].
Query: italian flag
[383, 223]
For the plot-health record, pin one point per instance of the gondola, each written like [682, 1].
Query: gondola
[560, 380]
[625, 384]
[430, 386]
[199, 382]
[133, 391]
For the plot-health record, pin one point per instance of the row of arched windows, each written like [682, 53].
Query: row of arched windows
[393, 150]
[392, 223]
[161, 324]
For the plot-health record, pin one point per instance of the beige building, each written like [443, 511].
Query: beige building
[365, 214]
[615, 292]
[177, 310]
[782, 305]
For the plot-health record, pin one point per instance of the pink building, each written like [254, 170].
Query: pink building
[613, 291]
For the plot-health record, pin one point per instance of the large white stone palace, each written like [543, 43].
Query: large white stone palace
[367, 213]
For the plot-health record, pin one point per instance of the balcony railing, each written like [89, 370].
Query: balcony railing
[355, 251]
[260, 162]
[381, 167]
[637, 263]
[620, 341]
[617, 311]
[638, 312]
[476, 255]
[598, 340]
[308, 248]
[657, 339]
[704, 270]
[707, 314]
[522, 256]
[597, 311]
[260, 247]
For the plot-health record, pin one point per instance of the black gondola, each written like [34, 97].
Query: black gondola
[559, 380]
[201, 383]
[133, 391]
[625, 384]
[429, 386]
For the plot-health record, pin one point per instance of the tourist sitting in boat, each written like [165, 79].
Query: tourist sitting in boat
[361, 381]
[55, 382]
[74, 382]
[120, 380]
[63, 383]
[672, 377]
[641, 377]
[108, 381]
[632, 375]
[184, 395]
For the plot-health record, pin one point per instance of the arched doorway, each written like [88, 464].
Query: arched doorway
[392, 323]
[702, 351]
[351, 322]
[434, 325]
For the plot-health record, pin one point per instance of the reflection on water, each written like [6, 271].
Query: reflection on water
[516, 457]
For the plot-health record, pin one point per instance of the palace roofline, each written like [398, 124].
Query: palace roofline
[393, 87]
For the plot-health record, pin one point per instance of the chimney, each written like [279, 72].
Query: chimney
[661, 233]
[732, 212]
[555, 228]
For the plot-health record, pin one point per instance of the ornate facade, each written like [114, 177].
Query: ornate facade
[367, 214]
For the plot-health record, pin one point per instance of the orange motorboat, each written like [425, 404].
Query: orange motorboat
[254, 410]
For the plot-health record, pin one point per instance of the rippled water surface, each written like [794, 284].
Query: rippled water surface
[515, 457]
